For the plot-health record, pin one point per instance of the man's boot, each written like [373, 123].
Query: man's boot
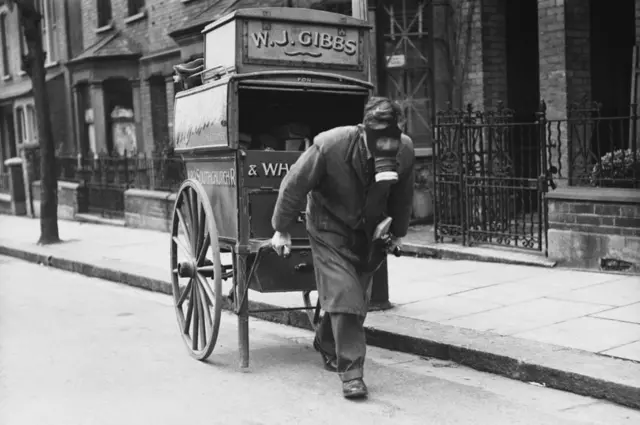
[355, 388]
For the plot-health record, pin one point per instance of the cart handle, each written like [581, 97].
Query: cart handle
[262, 248]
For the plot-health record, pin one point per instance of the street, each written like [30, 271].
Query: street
[79, 350]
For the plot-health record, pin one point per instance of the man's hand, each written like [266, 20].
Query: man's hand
[395, 244]
[281, 243]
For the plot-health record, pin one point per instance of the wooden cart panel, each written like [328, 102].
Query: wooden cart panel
[218, 176]
[201, 116]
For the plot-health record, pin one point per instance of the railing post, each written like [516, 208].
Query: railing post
[544, 170]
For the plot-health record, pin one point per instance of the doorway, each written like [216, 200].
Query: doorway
[612, 38]
[523, 84]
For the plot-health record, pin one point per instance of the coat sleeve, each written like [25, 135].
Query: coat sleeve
[304, 176]
[400, 201]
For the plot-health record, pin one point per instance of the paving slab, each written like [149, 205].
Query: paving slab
[526, 289]
[586, 333]
[627, 351]
[525, 316]
[139, 258]
[618, 292]
[628, 313]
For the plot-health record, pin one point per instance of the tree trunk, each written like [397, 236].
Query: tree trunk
[30, 20]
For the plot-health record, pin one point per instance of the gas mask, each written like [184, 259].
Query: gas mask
[384, 145]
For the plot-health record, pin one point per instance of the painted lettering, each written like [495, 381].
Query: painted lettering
[304, 38]
[338, 44]
[326, 41]
[260, 38]
[285, 39]
[275, 170]
[214, 177]
[350, 47]
[309, 39]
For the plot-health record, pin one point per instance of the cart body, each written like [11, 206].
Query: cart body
[266, 68]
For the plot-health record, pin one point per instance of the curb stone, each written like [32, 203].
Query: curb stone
[575, 371]
[457, 252]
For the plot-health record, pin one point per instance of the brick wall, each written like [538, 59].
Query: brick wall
[494, 52]
[151, 34]
[588, 225]
[159, 111]
[481, 50]
[471, 50]
[637, 21]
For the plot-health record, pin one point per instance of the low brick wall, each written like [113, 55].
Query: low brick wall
[595, 228]
[5, 204]
[72, 199]
[147, 209]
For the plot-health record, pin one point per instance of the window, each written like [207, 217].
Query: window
[135, 7]
[49, 24]
[23, 46]
[26, 124]
[104, 13]
[5, 45]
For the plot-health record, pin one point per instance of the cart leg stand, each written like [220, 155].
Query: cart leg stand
[243, 311]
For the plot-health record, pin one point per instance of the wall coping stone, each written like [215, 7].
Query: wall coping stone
[13, 161]
[150, 194]
[62, 184]
[625, 196]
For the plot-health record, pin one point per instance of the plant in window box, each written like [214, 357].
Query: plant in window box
[619, 168]
[422, 199]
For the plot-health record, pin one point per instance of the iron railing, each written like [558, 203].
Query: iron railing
[106, 177]
[589, 149]
[486, 179]
[491, 172]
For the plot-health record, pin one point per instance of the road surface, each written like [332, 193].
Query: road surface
[81, 351]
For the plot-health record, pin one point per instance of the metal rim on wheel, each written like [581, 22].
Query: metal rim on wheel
[196, 271]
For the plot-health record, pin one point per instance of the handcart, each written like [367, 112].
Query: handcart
[271, 79]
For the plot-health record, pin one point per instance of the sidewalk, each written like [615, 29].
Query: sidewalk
[570, 330]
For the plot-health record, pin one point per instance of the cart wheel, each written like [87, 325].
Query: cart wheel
[196, 272]
[313, 311]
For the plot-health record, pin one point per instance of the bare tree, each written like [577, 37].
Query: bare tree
[33, 64]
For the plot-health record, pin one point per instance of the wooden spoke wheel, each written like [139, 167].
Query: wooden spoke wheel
[313, 310]
[196, 271]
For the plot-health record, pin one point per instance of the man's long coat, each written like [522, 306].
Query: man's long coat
[336, 176]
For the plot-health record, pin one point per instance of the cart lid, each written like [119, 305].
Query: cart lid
[290, 14]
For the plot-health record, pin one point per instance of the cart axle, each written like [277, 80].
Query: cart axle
[187, 269]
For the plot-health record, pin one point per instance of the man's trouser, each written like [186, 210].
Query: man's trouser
[342, 335]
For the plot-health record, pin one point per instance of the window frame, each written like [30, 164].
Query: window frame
[4, 45]
[135, 7]
[104, 7]
[26, 124]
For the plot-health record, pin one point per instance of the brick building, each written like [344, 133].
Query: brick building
[559, 51]
[61, 40]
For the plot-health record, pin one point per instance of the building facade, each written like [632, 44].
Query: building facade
[61, 41]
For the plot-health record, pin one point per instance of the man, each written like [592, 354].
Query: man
[352, 177]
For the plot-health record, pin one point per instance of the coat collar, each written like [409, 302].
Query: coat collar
[358, 154]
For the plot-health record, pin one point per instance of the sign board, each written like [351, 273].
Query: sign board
[396, 61]
[201, 118]
[218, 176]
[289, 42]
